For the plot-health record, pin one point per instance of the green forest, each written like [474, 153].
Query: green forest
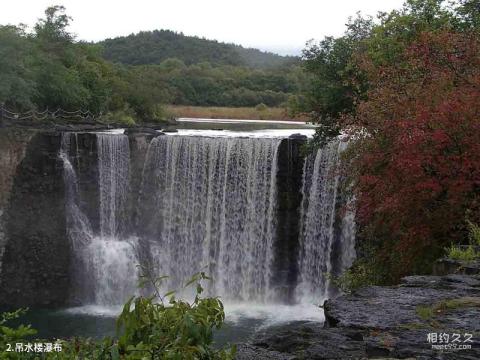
[154, 47]
[131, 78]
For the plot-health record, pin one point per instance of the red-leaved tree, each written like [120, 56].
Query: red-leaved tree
[418, 165]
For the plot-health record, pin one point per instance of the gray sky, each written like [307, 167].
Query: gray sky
[279, 26]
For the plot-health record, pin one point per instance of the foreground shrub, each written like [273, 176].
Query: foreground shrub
[151, 327]
[175, 329]
[10, 336]
[261, 107]
[363, 272]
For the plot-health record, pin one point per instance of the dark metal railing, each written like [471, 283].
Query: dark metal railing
[59, 114]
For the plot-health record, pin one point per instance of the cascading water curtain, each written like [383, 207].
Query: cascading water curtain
[321, 232]
[113, 166]
[205, 204]
[211, 202]
[111, 257]
[78, 226]
[79, 229]
[105, 271]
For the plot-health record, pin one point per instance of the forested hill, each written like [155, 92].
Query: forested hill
[153, 47]
[50, 70]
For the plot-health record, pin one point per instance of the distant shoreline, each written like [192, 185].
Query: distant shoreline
[232, 113]
[234, 121]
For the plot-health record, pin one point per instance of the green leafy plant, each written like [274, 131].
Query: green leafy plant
[359, 275]
[425, 312]
[469, 252]
[163, 327]
[473, 233]
[153, 327]
[11, 335]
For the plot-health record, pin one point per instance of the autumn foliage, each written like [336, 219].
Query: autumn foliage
[418, 163]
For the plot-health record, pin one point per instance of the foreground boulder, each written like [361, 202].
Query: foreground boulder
[425, 317]
[309, 340]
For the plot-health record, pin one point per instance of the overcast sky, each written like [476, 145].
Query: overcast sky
[280, 26]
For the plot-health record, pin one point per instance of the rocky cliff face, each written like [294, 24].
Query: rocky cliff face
[289, 187]
[13, 144]
[35, 262]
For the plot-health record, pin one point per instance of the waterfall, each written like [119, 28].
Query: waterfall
[111, 256]
[78, 226]
[113, 163]
[202, 204]
[79, 229]
[319, 235]
[104, 263]
[211, 202]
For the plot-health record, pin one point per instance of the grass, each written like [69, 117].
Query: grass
[426, 312]
[241, 113]
[465, 254]
[474, 233]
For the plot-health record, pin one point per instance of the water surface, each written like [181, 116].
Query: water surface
[243, 321]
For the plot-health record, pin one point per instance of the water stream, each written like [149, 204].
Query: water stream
[322, 229]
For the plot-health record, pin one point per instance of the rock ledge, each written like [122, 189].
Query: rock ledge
[385, 322]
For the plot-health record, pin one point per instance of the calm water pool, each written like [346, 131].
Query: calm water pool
[242, 321]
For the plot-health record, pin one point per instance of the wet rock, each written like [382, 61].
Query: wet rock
[391, 320]
[35, 254]
[13, 145]
[386, 322]
[169, 130]
[449, 266]
[142, 131]
[36, 248]
[389, 307]
[289, 187]
[249, 352]
[298, 136]
[309, 340]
